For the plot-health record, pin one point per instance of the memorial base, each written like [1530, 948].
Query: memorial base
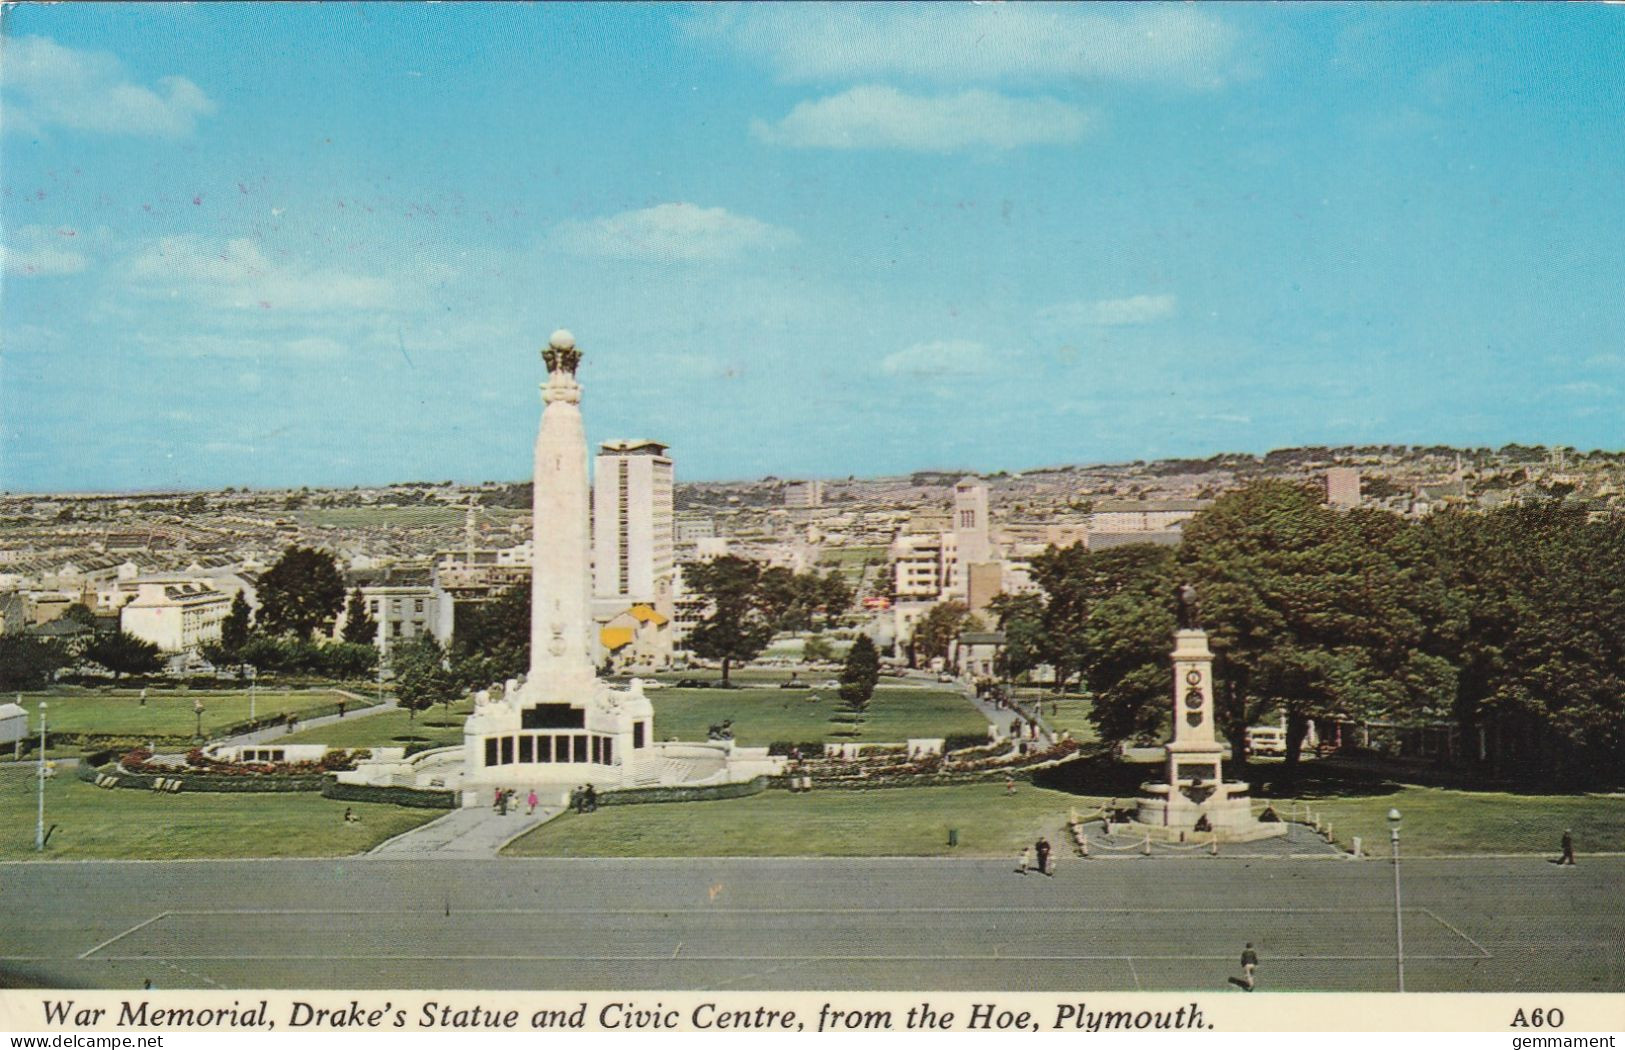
[1166, 815]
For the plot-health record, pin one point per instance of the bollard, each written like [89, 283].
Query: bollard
[1355, 849]
[953, 836]
[1145, 847]
[1213, 847]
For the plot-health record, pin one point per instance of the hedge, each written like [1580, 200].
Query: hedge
[962, 741]
[702, 793]
[412, 798]
[813, 749]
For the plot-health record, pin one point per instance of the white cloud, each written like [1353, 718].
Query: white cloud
[40, 251]
[238, 275]
[47, 84]
[677, 231]
[958, 42]
[878, 117]
[1135, 309]
[939, 359]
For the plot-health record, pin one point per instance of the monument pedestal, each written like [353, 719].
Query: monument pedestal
[1194, 802]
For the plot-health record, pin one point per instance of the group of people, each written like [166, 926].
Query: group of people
[584, 799]
[1039, 856]
[503, 800]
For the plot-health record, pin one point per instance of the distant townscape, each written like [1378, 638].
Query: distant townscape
[165, 567]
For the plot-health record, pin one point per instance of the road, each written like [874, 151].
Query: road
[1146, 923]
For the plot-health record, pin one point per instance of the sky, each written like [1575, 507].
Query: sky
[323, 244]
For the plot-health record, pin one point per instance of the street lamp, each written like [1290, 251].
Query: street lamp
[1399, 921]
[197, 709]
[39, 828]
[253, 691]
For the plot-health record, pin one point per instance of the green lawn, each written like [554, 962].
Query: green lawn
[435, 727]
[761, 716]
[93, 823]
[889, 822]
[1073, 715]
[168, 712]
[1436, 821]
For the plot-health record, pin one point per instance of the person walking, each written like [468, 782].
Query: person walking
[1025, 861]
[1249, 963]
[1568, 847]
[1041, 848]
[531, 800]
[502, 802]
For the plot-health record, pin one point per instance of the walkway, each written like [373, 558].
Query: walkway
[465, 834]
[1299, 841]
[269, 734]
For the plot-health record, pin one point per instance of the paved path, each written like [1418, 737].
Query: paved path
[1509, 925]
[465, 834]
[270, 733]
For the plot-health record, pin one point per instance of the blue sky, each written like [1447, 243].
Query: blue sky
[322, 244]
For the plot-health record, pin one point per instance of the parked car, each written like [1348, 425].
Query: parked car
[652, 683]
[693, 683]
[945, 677]
[830, 684]
[794, 684]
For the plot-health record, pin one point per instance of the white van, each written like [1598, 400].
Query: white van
[1266, 740]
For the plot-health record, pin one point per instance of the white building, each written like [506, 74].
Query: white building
[803, 495]
[176, 617]
[633, 539]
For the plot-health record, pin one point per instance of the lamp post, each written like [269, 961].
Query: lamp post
[1399, 920]
[39, 828]
[197, 709]
[253, 692]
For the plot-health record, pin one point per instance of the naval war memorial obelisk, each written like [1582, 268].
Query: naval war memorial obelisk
[561, 725]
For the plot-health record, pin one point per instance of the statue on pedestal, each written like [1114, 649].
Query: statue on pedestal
[1190, 610]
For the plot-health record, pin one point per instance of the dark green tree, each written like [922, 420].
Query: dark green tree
[1309, 612]
[1021, 619]
[124, 654]
[359, 626]
[234, 629]
[492, 640]
[422, 677]
[834, 596]
[29, 663]
[736, 629]
[935, 632]
[81, 614]
[858, 677]
[301, 594]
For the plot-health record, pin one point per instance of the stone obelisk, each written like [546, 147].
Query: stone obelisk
[561, 576]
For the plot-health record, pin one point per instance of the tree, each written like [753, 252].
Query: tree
[817, 649]
[834, 596]
[301, 594]
[422, 678]
[736, 629]
[29, 663]
[1021, 619]
[936, 630]
[785, 599]
[124, 654]
[80, 613]
[859, 676]
[235, 627]
[1309, 612]
[492, 640]
[359, 626]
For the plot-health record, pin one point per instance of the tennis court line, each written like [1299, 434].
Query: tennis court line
[1455, 930]
[710, 911]
[126, 933]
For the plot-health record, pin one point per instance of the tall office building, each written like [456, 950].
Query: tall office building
[632, 522]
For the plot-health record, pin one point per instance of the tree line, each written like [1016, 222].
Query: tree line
[1505, 625]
